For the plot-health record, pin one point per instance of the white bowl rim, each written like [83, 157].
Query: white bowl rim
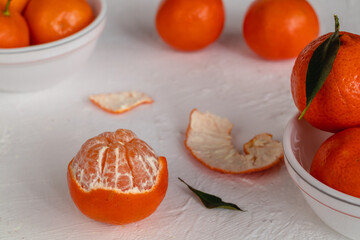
[305, 176]
[99, 18]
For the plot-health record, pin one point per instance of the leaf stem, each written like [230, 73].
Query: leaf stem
[6, 12]
[337, 24]
[304, 111]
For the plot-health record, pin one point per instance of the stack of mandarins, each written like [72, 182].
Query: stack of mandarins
[325, 86]
[30, 22]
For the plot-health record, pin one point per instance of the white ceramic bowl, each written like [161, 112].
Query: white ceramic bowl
[41, 66]
[338, 210]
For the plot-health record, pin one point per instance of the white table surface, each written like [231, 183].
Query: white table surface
[40, 132]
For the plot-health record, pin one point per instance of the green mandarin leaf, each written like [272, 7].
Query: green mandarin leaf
[320, 65]
[211, 201]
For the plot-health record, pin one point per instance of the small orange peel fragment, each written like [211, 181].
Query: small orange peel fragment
[120, 102]
[208, 138]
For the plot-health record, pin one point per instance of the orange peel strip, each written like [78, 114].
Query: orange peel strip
[120, 102]
[208, 138]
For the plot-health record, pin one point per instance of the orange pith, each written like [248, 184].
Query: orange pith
[335, 106]
[117, 178]
[279, 29]
[337, 162]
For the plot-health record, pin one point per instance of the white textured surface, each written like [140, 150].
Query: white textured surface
[41, 132]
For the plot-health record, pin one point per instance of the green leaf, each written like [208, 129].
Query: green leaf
[211, 201]
[320, 65]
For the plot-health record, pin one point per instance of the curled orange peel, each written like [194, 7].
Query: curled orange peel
[208, 138]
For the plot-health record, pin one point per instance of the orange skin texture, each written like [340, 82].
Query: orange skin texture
[190, 25]
[15, 5]
[118, 208]
[337, 162]
[335, 107]
[51, 20]
[279, 29]
[14, 31]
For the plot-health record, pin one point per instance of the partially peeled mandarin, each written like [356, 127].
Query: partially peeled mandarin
[117, 178]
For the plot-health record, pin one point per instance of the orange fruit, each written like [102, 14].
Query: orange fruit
[15, 5]
[279, 29]
[51, 20]
[337, 163]
[117, 178]
[190, 25]
[208, 138]
[120, 102]
[335, 107]
[14, 31]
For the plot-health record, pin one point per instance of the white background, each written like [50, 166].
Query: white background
[40, 132]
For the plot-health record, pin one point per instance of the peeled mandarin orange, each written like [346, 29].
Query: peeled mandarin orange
[117, 178]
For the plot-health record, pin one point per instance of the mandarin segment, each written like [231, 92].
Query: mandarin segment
[208, 139]
[117, 166]
[143, 162]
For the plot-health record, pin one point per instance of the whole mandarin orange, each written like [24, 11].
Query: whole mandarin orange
[337, 162]
[117, 178]
[279, 29]
[335, 107]
[15, 5]
[14, 31]
[51, 20]
[190, 25]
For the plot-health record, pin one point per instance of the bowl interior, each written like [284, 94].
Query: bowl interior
[301, 142]
[305, 140]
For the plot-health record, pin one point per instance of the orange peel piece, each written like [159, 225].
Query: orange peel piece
[208, 138]
[120, 102]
